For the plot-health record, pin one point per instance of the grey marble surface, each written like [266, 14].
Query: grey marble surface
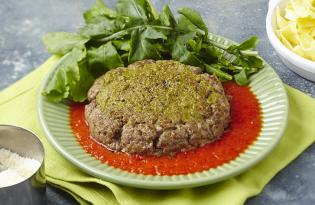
[23, 22]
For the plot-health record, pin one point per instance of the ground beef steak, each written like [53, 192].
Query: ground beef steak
[156, 108]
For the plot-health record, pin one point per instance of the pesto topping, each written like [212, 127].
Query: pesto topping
[164, 91]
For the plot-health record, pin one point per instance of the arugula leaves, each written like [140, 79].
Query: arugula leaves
[61, 43]
[134, 31]
[181, 53]
[195, 18]
[140, 46]
[103, 58]
[166, 17]
[135, 9]
[98, 11]
[71, 79]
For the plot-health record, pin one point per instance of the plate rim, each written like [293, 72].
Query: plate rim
[150, 184]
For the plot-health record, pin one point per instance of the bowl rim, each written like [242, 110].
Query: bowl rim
[42, 148]
[35, 136]
[301, 62]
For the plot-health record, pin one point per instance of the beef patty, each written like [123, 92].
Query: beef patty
[156, 108]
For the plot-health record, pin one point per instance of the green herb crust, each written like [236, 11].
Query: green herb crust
[167, 89]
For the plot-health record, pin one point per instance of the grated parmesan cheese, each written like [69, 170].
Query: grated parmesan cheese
[15, 168]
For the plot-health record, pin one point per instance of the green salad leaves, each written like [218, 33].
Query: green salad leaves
[134, 31]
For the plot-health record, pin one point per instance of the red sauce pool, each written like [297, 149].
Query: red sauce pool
[243, 130]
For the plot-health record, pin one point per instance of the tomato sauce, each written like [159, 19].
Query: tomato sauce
[243, 130]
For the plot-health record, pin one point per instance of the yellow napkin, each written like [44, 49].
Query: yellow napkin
[18, 106]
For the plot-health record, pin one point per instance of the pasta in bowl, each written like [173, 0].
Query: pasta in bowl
[293, 39]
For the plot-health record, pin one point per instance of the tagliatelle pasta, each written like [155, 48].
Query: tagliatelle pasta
[296, 27]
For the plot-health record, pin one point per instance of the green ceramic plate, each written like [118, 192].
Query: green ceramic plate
[266, 85]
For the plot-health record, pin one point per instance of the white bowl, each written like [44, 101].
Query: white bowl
[298, 64]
